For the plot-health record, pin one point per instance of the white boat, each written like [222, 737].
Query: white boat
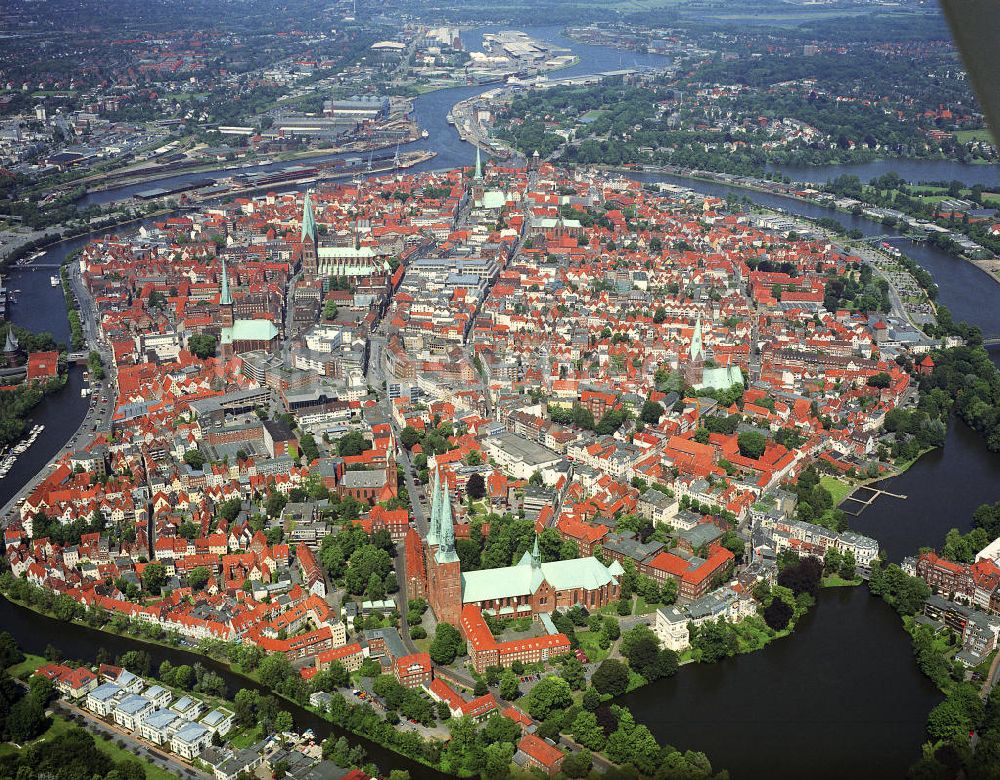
[424, 134]
[54, 281]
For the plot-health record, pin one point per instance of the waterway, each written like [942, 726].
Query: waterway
[34, 632]
[41, 307]
[969, 292]
[914, 171]
[803, 707]
[839, 698]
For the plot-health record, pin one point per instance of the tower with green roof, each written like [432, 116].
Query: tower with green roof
[433, 537]
[310, 240]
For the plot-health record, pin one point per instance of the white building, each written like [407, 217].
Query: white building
[190, 740]
[671, 628]
[521, 457]
[159, 726]
[103, 699]
[218, 720]
[130, 711]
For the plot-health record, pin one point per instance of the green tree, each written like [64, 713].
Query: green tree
[611, 677]
[509, 689]
[446, 644]
[551, 694]
[577, 764]
[194, 458]
[198, 577]
[154, 575]
[588, 732]
[26, 720]
[752, 444]
[202, 345]
[651, 412]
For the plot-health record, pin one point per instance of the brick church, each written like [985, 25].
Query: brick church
[528, 588]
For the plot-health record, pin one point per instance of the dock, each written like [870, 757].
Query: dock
[868, 498]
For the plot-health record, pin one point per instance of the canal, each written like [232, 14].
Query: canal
[841, 697]
[34, 632]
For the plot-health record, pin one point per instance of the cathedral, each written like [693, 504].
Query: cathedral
[714, 377]
[526, 589]
[444, 570]
[241, 335]
[336, 261]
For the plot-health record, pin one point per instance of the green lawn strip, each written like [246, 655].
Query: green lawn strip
[589, 643]
[27, 666]
[837, 487]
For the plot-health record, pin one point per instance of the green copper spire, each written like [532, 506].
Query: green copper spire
[696, 348]
[308, 220]
[225, 299]
[536, 556]
[433, 534]
[478, 175]
[446, 551]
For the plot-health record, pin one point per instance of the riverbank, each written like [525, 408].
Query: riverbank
[237, 675]
[89, 231]
[989, 266]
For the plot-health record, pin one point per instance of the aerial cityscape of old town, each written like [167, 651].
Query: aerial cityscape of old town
[568, 389]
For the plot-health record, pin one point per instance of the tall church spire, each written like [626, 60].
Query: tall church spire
[446, 528]
[226, 299]
[433, 533]
[697, 351]
[308, 220]
[536, 556]
[478, 175]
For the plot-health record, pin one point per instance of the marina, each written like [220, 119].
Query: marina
[10, 458]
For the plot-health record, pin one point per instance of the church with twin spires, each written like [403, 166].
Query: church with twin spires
[528, 588]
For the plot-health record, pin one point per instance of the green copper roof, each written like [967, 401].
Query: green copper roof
[308, 220]
[524, 578]
[249, 330]
[494, 199]
[720, 378]
[446, 551]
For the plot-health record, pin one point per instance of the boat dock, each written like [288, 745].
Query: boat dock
[867, 499]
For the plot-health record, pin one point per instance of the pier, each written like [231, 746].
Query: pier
[868, 499]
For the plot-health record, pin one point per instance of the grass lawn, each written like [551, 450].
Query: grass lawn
[28, 665]
[643, 608]
[245, 738]
[424, 645]
[635, 680]
[964, 136]
[837, 487]
[834, 581]
[60, 725]
[589, 645]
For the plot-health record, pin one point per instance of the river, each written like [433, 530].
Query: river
[34, 632]
[912, 170]
[841, 697]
